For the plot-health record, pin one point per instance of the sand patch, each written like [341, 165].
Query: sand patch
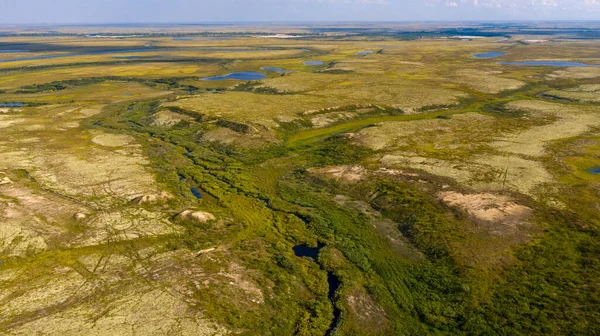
[499, 225]
[197, 216]
[167, 118]
[487, 207]
[342, 173]
[160, 197]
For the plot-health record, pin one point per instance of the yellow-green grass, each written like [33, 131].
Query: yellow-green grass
[147, 70]
[262, 108]
[310, 136]
[107, 92]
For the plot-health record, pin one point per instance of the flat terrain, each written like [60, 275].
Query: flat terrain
[401, 187]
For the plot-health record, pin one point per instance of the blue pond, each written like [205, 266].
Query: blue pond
[594, 171]
[12, 104]
[305, 251]
[196, 192]
[551, 63]
[313, 63]
[247, 75]
[12, 51]
[492, 54]
[182, 39]
[363, 53]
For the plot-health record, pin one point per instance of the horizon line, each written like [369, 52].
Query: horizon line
[208, 23]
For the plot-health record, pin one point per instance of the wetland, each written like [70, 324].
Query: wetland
[419, 189]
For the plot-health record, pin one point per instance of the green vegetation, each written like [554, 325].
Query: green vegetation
[440, 204]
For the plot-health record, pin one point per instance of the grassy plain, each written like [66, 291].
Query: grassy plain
[451, 194]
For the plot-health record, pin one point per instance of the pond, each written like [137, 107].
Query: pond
[12, 104]
[550, 63]
[247, 75]
[309, 252]
[363, 53]
[595, 171]
[313, 63]
[13, 51]
[196, 192]
[492, 54]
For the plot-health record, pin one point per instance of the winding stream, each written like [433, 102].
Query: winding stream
[332, 280]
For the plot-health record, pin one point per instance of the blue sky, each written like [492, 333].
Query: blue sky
[204, 11]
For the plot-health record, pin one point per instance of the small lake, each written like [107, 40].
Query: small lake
[196, 192]
[363, 53]
[247, 75]
[13, 51]
[550, 63]
[313, 63]
[595, 171]
[492, 54]
[309, 252]
[12, 104]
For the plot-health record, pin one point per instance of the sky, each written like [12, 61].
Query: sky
[210, 11]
